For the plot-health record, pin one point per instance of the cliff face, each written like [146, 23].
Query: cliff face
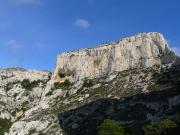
[139, 51]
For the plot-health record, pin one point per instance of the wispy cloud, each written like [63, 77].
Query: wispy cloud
[41, 46]
[13, 45]
[82, 23]
[176, 49]
[25, 2]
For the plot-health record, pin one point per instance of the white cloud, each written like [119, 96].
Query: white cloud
[82, 23]
[13, 45]
[25, 2]
[176, 49]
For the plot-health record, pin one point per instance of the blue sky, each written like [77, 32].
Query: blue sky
[33, 32]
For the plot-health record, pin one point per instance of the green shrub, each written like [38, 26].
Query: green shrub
[88, 83]
[159, 128]
[5, 125]
[64, 85]
[26, 84]
[111, 127]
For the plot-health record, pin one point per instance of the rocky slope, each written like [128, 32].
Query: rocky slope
[20, 90]
[133, 98]
[136, 74]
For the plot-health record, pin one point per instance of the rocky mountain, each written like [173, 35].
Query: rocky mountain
[134, 81]
[141, 50]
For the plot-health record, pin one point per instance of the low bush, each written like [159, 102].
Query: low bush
[64, 85]
[88, 83]
[26, 84]
[160, 128]
[111, 127]
[5, 125]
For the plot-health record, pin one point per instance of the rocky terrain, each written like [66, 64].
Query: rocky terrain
[133, 98]
[134, 81]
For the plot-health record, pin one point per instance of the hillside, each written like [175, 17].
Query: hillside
[134, 81]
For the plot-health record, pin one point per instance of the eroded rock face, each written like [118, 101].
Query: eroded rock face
[139, 51]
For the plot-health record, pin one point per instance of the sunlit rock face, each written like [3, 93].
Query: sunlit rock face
[139, 51]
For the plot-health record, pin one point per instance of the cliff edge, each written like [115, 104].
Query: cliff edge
[139, 51]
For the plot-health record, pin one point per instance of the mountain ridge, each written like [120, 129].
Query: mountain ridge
[141, 50]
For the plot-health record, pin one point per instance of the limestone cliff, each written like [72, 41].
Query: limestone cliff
[139, 51]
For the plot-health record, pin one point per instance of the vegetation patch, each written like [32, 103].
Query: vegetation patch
[5, 125]
[26, 84]
[111, 127]
[88, 83]
[64, 85]
[100, 90]
[161, 128]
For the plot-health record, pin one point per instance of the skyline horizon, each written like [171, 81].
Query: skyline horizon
[94, 46]
[34, 32]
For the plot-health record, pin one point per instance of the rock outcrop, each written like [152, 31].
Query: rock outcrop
[20, 91]
[139, 51]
